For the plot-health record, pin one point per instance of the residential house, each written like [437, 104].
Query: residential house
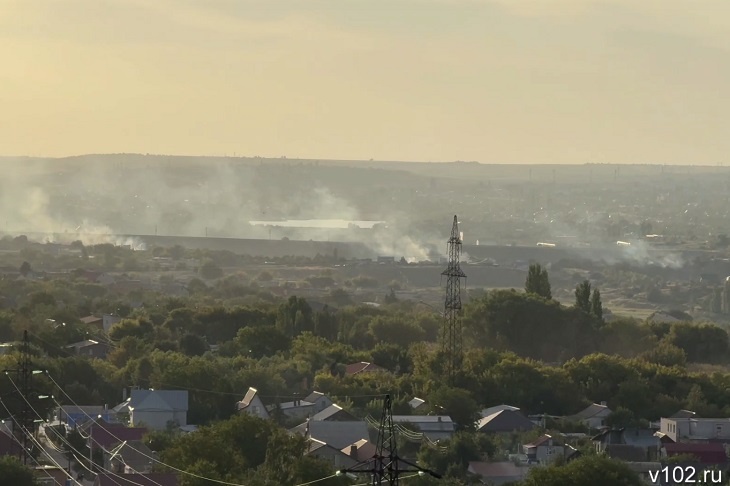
[706, 453]
[360, 451]
[6, 348]
[129, 455]
[336, 457]
[74, 415]
[497, 473]
[692, 429]
[434, 427]
[314, 403]
[628, 444]
[93, 321]
[252, 404]
[334, 413]
[146, 479]
[497, 408]
[158, 408]
[684, 414]
[543, 450]
[335, 434]
[108, 320]
[50, 475]
[107, 436]
[363, 367]
[593, 416]
[505, 421]
[417, 404]
[90, 348]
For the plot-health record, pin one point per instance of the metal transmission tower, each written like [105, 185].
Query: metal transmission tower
[386, 467]
[25, 423]
[451, 341]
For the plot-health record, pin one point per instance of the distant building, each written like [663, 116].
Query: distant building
[691, 429]
[90, 348]
[498, 473]
[108, 320]
[362, 367]
[252, 404]
[629, 444]
[158, 408]
[434, 427]
[593, 416]
[505, 421]
[543, 450]
[74, 415]
[94, 321]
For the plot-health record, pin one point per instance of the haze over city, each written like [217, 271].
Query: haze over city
[492, 81]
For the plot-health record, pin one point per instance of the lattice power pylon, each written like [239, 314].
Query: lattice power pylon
[386, 467]
[23, 425]
[451, 332]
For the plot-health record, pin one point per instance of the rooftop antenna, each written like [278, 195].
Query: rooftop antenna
[385, 467]
[451, 331]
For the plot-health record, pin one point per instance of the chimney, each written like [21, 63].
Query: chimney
[306, 430]
[353, 450]
[603, 403]
[124, 394]
[439, 418]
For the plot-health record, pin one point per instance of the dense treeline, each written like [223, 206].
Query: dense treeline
[523, 349]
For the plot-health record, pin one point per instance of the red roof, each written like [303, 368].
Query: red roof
[709, 453]
[362, 367]
[108, 436]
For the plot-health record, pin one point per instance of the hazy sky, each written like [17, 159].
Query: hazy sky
[493, 81]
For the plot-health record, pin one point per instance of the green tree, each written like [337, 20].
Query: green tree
[596, 305]
[12, 471]
[583, 296]
[193, 345]
[594, 470]
[25, 269]
[537, 282]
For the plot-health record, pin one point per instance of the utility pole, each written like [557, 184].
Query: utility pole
[385, 467]
[24, 374]
[451, 331]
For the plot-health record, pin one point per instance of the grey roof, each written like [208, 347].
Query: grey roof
[159, 400]
[416, 402]
[427, 423]
[313, 397]
[590, 411]
[288, 405]
[333, 413]
[498, 408]
[683, 414]
[505, 421]
[335, 434]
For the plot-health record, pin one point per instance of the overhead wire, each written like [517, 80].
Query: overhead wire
[181, 471]
[12, 436]
[53, 460]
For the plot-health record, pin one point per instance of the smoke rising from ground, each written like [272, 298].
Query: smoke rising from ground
[96, 199]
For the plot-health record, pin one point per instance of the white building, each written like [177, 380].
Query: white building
[156, 409]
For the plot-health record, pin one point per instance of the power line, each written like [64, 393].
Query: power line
[226, 483]
[53, 460]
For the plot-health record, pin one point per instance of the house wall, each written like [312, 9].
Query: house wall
[321, 403]
[301, 412]
[257, 408]
[334, 457]
[109, 320]
[597, 421]
[688, 429]
[157, 420]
